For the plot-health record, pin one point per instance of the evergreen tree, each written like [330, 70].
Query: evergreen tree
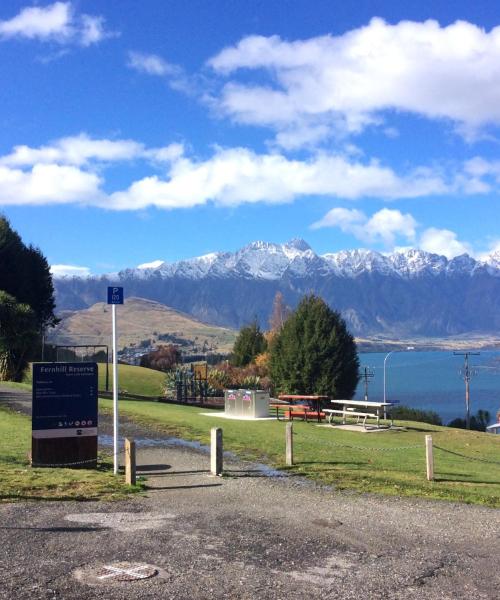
[314, 353]
[25, 274]
[18, 332]
[249, 343]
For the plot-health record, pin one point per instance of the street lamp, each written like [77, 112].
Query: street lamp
[385, 361]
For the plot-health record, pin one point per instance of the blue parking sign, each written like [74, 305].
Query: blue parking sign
[115, 295]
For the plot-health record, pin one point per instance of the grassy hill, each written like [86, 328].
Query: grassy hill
[134, 380]
[139, 320]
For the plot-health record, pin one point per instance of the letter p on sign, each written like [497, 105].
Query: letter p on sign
[115, 295]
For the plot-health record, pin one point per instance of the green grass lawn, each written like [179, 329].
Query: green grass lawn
[392, 462]
[18, 481]
[134, 380]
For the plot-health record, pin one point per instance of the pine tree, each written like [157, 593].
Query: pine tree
[314, 353]
[249, 343]
[25, 274]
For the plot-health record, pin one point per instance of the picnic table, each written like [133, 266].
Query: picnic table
[314, 400]
[353, 408]
[290, 410]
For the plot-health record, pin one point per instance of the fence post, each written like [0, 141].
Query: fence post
[429, 457]
[216, 465]
[289, 444]
[130, 466]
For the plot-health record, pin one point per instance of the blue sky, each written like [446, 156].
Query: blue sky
[137, 131]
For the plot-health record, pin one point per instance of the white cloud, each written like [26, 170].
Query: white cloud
[389, 225]
[48, 184]
[69, 271]
[444, 242]
[72, 169]
[56, 22]
[239, 175]
[81, 149]
[344, 83]
[385, 225]
[152, 64]
[151, 265]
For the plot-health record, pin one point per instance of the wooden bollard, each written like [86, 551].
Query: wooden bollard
[216, 464]
[429, 458]
[130, 466]
[289, 444]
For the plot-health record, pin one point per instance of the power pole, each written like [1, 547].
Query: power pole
[466, 373]
[367, 374]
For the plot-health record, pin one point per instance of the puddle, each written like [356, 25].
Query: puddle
[269, 471]
[172, 442]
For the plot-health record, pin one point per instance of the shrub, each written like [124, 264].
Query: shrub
[405, 413]
[478, 422]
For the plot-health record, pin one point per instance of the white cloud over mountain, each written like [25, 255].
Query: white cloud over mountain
[443, 241]
[385, 225]
[58, 22]
[390, 225]
[331, 84]
[69, 271]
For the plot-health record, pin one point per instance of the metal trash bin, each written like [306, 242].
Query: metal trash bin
[246, 403]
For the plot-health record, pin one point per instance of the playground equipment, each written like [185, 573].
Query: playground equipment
[191, 384]
[74, 348]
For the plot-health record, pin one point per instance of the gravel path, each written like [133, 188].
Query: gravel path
[247, 536]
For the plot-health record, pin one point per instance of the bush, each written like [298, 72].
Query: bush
[478, 422]
[405, 413]
[164, 358]
[228, 376]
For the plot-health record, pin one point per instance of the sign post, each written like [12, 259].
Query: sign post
[115, 296]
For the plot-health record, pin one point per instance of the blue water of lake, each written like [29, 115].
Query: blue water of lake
[434, 381]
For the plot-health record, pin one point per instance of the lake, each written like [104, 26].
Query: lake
[433, 381]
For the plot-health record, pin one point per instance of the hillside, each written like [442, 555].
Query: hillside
[140, 320]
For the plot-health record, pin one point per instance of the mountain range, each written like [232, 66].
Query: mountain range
[405, 293]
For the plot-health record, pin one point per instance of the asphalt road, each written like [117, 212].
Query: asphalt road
[246, 536]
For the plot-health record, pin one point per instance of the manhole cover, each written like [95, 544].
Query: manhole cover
[125, 571]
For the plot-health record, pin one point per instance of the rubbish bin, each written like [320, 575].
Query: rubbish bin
[246, 403]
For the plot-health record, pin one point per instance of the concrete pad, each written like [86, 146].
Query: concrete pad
[223, 415]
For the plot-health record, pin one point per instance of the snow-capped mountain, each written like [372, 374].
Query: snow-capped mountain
[410, 291]
[265, 260]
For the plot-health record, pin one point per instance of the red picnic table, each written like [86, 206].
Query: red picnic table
[315, 400]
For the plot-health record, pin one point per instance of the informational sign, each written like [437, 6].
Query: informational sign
[115, 295]
[64, 413]
[200, 370]
[64, 399]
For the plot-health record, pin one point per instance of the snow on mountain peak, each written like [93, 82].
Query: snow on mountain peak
[155, 264]
[271, 261]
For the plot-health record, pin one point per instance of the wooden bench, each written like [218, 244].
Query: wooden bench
[351, 413]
